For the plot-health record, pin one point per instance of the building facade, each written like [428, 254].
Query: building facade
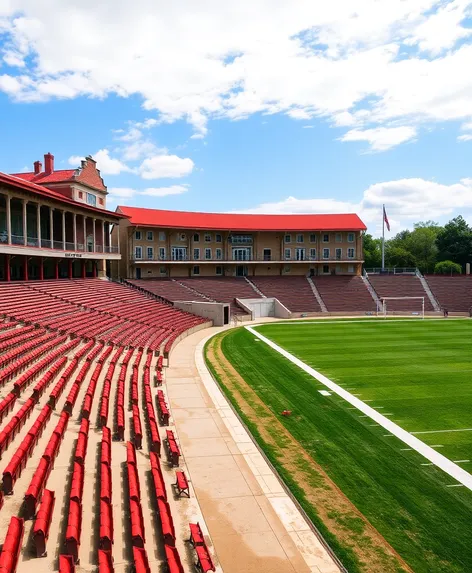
[159, 243]
[54, 224]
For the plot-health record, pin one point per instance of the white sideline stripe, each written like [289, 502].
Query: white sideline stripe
[344, 320]
[456, 472]
[443, 431]
[461, 461]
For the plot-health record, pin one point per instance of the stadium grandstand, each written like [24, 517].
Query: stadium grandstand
[112, 455]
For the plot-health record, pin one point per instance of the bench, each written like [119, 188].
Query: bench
[181, 484]
[173, 452]
[43, 523]
[196, 535]
[204, 562]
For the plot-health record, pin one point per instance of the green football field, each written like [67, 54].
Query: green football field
[416, 372]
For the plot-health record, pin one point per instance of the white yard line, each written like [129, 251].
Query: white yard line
[347, 320]
[443, 431]
[456, 472]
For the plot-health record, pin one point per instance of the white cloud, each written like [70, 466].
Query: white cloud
[465, 137]
[107, 165]
[124, 194]
[396, 60]
[122, 191]
[407, 201]
[165, 191]
[161, 166]
[381, 138]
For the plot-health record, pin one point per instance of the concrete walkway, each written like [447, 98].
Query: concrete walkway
[252, 524]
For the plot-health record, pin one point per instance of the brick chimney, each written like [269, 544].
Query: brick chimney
[38, 167]
[48, 164]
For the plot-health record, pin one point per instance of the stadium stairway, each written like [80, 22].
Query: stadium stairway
[391, 285]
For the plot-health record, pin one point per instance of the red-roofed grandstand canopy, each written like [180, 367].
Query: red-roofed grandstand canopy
[141, 217]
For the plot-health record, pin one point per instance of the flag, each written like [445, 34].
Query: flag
[386, 218]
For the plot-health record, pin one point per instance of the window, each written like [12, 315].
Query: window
[138, 252]
[162, 236]
[313, 238]
[288, 254]
[350, 268]
[196, 270]
[208, 254]
[325, 253]
[339, 254]
[91, 199]
[350, 253]
[266, 253]
[326, 269]
[150, 253]
[326, 238]
[300, 254]
[196, 254]
[162, 253]
[300, 238]
[182, 237]
[339, 237]
[207, 238]
[162, 271]
[81, 195]
[101, 201]
[312, 254]
[218, 238]
[196, 237]
[219, 270]
[219, 254]
[350, 237]
[241, 239]
[137, 235]
[179, 254]
[138, 273]
[150, 236]
[288, 238]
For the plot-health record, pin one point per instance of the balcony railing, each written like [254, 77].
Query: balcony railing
[34, 242]
[262, 259]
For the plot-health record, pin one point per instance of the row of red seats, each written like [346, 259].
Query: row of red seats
[42, 522]
[6, 405]
[20, 458]
[164, 413]
[104, 405]
[17, 421]
[46, 464]
[4, 326]
[151, 415]
[120, 396]
[33, 351]
[44, 382]
[74, 520]
[172, 449]
[137, 428]
[12, 545]
[88, 400]
[75, 389]
[19, 337]
[39, 367]
[138, 538]
[204, 560]
[106, 508]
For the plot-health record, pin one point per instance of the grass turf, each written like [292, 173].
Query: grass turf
[421, 373]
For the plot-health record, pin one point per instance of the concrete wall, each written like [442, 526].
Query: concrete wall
[212, 310]
[262, 307]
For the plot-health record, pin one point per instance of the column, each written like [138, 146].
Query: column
[84, 274]
[118, 237]
[9, 219]
[70, 268]
[38, 211]
[41, 269]
[93, 235]
[25, 268]
[56, 270]
[51, 226]
[25, 230]
[64, 230]
[94, 269]
[7, 268]
[85, 232]
[103, 236]
[75, 231]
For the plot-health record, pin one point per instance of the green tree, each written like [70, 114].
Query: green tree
[399, 257]
[372, 252]
[447, 268]
[455, 242]
[421, 243]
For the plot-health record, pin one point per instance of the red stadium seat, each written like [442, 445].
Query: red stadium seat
[77, 484]
[105, 482]
[181, 484]
[43, 522]
[12, 545]
[141, 563]
[167, 523]
[174, 563]
[106, 525]
[137, 523]
[74, 529]
[35, 489]
[105, 561]
[66, 564]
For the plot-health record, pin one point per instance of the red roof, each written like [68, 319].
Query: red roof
[241, 222]
[41, 178]
[19, 183]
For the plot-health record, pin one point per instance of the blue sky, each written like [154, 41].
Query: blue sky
[303, 109]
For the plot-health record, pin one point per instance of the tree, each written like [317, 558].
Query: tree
[447, 268]
[372, 252]
[421, 243]
[399, 257]
[455, 242]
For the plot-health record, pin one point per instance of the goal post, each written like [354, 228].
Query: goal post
[401, 305]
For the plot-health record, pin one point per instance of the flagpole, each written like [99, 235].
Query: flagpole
[383, 237]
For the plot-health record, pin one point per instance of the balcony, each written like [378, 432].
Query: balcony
[250, 259]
